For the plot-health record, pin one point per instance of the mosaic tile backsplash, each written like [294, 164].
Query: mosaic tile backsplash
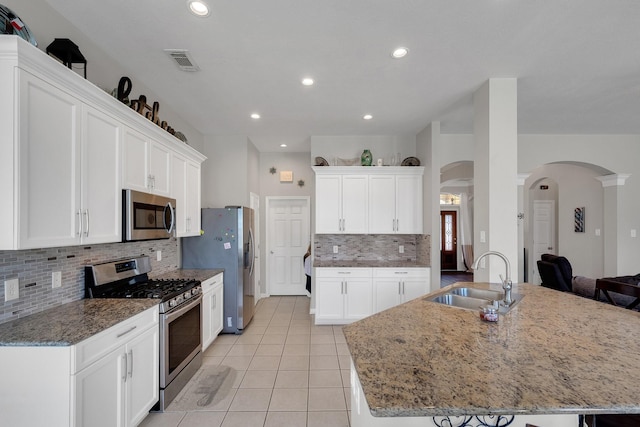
[33, 269]
[373, 247]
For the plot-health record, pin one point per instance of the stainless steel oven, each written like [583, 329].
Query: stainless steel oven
[180, 347]
[147, 216]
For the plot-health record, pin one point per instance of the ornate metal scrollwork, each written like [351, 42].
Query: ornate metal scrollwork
[476, 421]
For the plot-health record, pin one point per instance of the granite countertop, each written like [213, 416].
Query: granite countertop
[553, 353]
[197, 274]
[71, 323]
[367, 264]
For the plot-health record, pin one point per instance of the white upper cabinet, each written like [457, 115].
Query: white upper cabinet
[185, 188]
[68, 149]
[396, 204]
[341, 204]
[146, 164]
[369, 200]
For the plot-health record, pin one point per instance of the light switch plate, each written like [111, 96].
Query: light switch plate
[401, 249]
[335, 249]
[158, 255]
[11, 289]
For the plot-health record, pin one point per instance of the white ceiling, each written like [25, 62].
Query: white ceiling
[577, 63]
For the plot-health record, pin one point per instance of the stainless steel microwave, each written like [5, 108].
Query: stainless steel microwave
[147, 216]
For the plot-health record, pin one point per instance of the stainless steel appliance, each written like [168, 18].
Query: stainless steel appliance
[180, 315]
[227, 243]
[147, 216]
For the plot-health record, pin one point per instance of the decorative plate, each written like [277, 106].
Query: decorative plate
[10, 23]
[410, 161]
[320, 161]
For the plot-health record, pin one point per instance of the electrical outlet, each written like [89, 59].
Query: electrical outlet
[401, 249]
[633, 233]
[158, 255]
[11, 289]
[56, 279]
[335, 249]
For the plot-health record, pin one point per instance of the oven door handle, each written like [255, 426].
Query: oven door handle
[172, 315]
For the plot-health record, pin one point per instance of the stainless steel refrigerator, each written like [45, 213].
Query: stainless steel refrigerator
[227, 243]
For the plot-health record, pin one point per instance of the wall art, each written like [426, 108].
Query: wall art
[578, 215]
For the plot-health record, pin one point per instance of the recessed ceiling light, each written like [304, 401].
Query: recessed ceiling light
[307, 81]
[367, 117]
[400, 52]
[198, 7]
[283, 145]
[255, 116]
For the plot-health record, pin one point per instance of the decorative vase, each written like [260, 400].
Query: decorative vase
[365, 159]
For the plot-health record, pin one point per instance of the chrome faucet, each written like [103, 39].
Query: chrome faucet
[506, 281]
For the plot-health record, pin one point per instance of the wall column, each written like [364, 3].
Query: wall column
[611, 218]
[428, 151]
[495, 124]
[522, 259]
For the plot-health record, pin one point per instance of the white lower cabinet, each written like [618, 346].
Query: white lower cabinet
[393, 286]
[110, 379]
[343, 295]
[121, 387]
[212, 306]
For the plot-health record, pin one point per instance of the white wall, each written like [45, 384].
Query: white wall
[576, 187]
[103, 68]
[270, 186]
[225, 173]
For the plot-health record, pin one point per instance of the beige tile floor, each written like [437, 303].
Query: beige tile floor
[290, 373]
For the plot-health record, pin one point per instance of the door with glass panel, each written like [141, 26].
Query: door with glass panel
[448, 240]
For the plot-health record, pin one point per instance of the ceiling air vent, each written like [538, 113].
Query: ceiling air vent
[182, 57]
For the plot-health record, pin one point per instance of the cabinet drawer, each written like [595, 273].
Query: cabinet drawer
[92, 349]
[343, 272]
[211, 283]
[400, 272]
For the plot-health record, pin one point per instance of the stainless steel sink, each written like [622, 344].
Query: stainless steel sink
[460, 301]
[473, 298]
[485, 294]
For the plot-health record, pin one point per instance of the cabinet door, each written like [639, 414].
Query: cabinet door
[135, 167]
[159, 168]
[328, 204]
[193, 199]
[101, 190]
[414, 288]
[216, 310]
[329, 299]
[179, 192]
[355, 196]
[99, 392]
[358, 298]
[382, 204]
[49, 178]
[142, 383]
[409, 204]
[388, 293]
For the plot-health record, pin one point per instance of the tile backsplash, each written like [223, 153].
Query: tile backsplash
[33, 269]
[372, 247]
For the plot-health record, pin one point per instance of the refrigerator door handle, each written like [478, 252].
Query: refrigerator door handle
[251, 254]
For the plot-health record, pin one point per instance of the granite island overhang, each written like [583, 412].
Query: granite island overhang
[553, 353]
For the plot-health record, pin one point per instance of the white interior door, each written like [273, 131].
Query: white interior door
[254, 201]
[287, 241]
[543, 233]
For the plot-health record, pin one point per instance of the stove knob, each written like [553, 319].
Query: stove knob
[194, 291]
[187, 295]
[172, 303]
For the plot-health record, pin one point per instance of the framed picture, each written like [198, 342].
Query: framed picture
[578, 222]
[286, 176]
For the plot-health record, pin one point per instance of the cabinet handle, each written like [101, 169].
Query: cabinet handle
[399, 293]
[346, 288]
[402, 288]
[79, 217]
[130, 355]
[213, 306]
[86, 228]
[188, 224]
[126, 332]
[124, 370]
[344, 225]
[397, 225]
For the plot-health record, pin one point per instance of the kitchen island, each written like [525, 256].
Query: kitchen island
[554, 354]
